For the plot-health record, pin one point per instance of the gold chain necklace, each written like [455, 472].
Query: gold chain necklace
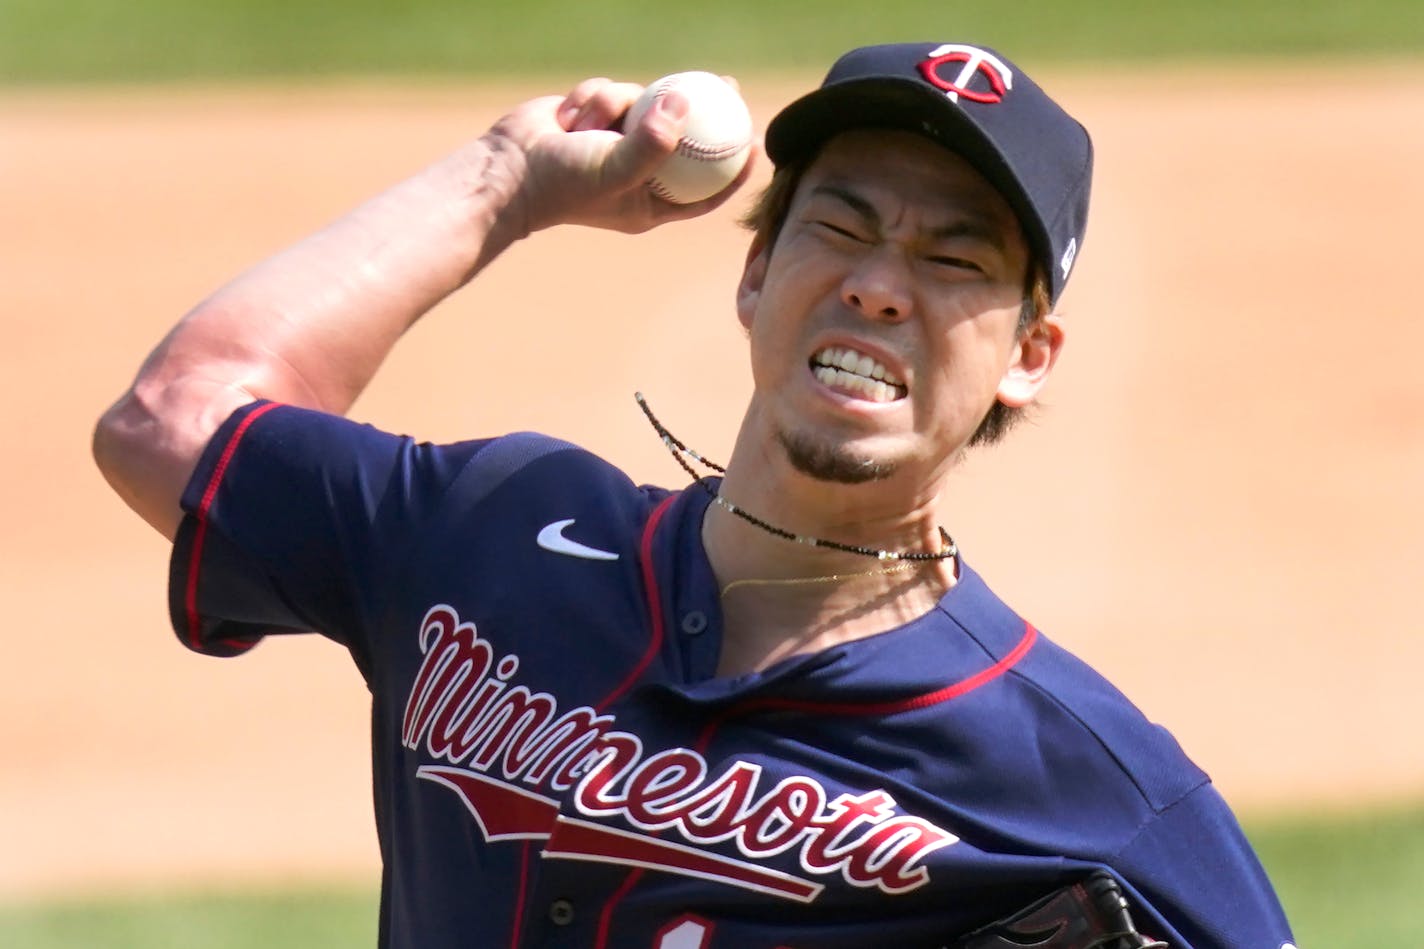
[900, 567]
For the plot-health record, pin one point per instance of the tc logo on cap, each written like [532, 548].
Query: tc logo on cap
[972, 61]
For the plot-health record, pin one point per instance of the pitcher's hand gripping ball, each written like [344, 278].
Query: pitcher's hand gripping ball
[714, 145]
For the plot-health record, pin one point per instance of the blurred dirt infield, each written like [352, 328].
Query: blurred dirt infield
[1219, 505]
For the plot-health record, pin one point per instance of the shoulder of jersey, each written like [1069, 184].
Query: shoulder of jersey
[1146, 752]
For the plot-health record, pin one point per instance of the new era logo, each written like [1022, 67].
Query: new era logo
[1069, 255]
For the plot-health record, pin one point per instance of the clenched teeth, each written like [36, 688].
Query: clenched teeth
[856, 373]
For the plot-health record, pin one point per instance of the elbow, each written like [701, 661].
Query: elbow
[105, 443]
[114, 446]
[101, 446]
[126, 449]
[146, 449]
[148, 444]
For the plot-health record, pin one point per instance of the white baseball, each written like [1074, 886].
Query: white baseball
[714, 145]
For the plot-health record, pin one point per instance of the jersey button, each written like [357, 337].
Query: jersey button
[561, 912]
[694, 622]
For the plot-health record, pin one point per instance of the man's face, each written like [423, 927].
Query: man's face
[883, 323]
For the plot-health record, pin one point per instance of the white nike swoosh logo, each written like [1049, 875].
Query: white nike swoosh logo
[552, 538]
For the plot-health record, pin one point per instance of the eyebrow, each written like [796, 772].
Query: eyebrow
[856, 203]
[969, 224]
[975, 228]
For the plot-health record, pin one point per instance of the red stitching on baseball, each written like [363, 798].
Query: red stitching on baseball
[707, 152]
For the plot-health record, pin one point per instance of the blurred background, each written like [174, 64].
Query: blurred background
[1218, 504]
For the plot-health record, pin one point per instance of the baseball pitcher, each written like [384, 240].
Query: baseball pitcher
[774, 707]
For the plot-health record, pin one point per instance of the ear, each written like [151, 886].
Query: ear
[1031, 360]
[753, 276]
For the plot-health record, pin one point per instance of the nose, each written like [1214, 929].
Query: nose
[879, 287]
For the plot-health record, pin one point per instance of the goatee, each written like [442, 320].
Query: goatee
[832, 462]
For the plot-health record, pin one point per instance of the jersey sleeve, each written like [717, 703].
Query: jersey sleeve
[292, 519]
[1195, 867]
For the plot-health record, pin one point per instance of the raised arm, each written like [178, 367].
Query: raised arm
[311, 325]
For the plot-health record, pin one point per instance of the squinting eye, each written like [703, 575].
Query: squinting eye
[959, 263]
[837, 229]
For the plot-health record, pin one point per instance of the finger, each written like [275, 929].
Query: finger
[643, 148]
[604, 106]
[578, 98]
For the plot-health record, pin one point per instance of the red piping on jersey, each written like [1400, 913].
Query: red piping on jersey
[655, 613]
[952, 691]
[518, 926]
[655, 617]
[655, 608]
[605, 919]
[195, 557]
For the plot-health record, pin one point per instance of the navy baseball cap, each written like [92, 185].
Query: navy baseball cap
[977, 104]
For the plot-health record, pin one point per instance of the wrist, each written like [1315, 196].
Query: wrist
[491, 175]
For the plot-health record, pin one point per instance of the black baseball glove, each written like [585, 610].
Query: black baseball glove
[1090, 914]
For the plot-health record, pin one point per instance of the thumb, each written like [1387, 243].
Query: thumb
[646, 145]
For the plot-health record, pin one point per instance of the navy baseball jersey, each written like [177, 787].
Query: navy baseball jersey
[557, 764]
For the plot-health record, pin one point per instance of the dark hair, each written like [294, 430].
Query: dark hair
[765, 219]
[768, 213]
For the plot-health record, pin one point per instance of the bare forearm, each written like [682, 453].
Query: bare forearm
[311, 325]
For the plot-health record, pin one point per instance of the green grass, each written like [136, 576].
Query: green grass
[302, 918]
[147, 40]
[1347, 883]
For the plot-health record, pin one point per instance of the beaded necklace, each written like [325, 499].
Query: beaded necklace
[679, 450]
